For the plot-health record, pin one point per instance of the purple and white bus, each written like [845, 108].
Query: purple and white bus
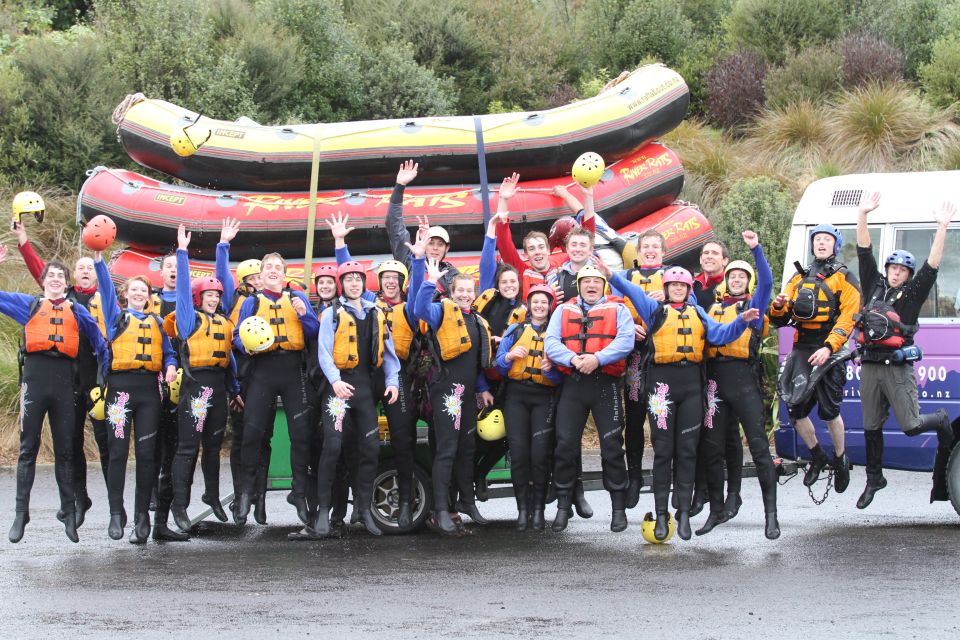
[904, 220]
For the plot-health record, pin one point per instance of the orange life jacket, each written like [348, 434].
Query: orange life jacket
[52, 327]
[210, 343]
[652, 282]
[138, 344]
[95, 307]
[345, 354]
[396, 320]
[747, 346]
[592, 333]
[680, 335]
[453, 339]
[530, 367]
[283, 320]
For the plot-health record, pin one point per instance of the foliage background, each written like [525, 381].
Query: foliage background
[783, 91]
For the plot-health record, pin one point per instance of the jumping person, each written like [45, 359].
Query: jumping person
[589, 338]
[141, 358]
[208, 386]
[886, 327]
[278, 370]
[53, 329]
[678, 335]
[462, 346]
[820, 301]
[734, 393]
[531, 384]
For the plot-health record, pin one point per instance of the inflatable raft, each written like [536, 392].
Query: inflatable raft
[244, 155]
[147, 211]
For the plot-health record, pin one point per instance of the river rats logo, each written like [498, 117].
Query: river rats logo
[170, 199]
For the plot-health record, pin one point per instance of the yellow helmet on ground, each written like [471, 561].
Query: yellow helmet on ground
[587, 169]
[649, 522]
[492, 426]
[28, 202]
[741, 265]
[249, 267]
[98, 410]
[396, 267]
[589, 271]
[175, 387]
[255, 334]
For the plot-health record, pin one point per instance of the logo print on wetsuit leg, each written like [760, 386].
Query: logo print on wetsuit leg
[337, 408]
[633, 377]
[117, 414]
[713, 403]
[453, 405]
[660, 404]
[23, 403]
[200, 405]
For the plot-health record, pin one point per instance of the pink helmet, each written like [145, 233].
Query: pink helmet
[677, 274]
[327, 270]
[350, 267]
[204, 283]
[545, 289]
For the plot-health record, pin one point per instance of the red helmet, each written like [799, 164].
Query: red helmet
[204, 283]
[677, 274]
[328, 270]
[558, 232]
[351, 267]
[546, 289]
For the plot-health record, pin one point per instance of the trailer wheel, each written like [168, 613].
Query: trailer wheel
[953, 478]
[386, 498]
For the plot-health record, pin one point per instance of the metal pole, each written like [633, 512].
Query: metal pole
[312, 216]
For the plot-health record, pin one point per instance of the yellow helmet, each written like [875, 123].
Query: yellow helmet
[182, 142]
[491, 426]
[248, 268]
[649, 522]
[741, 265]
[175, 387]
[589, 271]
[98, 410]
[396, 267]
[255, 334]
[28, 202]
[587, 169]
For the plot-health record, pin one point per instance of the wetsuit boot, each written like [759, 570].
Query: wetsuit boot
[217, 508]
[115, 528]
[471, 510]
[618, 520]
[260, 504]
[662, 527]
[83, 505]
[70, 526]
[817, 464]
[875, 480]
[180, 517]
[563, 513]
[243, 508]
[161, 531]
[19, 524]
[300, 503]
[633, 489]
[715, 518]
[699, 499]
[537, 520]
[768, 489]
[405, 515]
[522, 506]
[684, 494]
[584, 510]
[141, 528]
[939, 422]
[731, 507]
[841, 473]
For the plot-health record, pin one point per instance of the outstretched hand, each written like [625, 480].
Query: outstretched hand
[508, 188]
[338, 225]
[183, 237]
[947, 210]
[433, 270]
[751, 238]
[408, 171]
[229, 230]
[750, 314]
[419, 248]
[870, 202]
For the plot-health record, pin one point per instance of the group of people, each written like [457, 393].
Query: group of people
[551, 339]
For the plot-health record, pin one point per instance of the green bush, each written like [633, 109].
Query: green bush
[911, 26]
[812, 74]
[623, 32]
[941, 76]
[774, 28]
[758, 203]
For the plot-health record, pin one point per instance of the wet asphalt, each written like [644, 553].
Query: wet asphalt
[891, 571]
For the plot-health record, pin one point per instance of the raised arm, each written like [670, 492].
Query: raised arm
[229, 230]
[30, 258]
[108, 297]
[186, 317]
[943, 217]
[399, 236]
[871, 202]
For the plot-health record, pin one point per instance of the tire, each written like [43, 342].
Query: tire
[953, 478]
[386, 498]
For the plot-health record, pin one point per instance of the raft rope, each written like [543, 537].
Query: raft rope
[121, 110]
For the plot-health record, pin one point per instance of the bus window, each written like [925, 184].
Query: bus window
[944, 299]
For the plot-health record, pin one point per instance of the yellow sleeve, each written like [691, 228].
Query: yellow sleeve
[791, 292]
[849, 296]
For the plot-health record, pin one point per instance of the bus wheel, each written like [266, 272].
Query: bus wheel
[953, 478]
[386, 498]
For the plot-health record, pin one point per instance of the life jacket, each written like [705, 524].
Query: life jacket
[239, 297]
[591, 333]
[283, 320]
[879, 325]
[517, 314]
[138, 344]
[815, 303]
[679, 335]
[529, 367]
[401, 331]
[51, 328]
[531, 277]
[155, 305]
[747, 346]
[95, 307]
[652, 282]
[210, 343]
[345, 352]
[452, 337]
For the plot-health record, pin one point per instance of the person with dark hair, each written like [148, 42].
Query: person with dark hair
[886, 327]
[53, 329]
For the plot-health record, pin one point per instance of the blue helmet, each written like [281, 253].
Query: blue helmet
[832, 230]
[902, 257]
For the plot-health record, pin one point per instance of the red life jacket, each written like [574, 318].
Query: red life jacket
[590, 334]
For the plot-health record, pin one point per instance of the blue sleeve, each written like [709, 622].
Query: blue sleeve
[246, 310]
[233, 385]
[622, 345]
[16, 305]
[488, 263]
[719, 334]
[90, 330]
[761, 297]
[506, 343]
[108, 296]
[554, 347]
[425, 308]
[417, 269]
[391, 364]
[554, 376]
[186, 318]
[482, 384]
[645, 305]
[325, 346]
[169, 355]
[222, 272]
[343, 255]
[308, 320]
